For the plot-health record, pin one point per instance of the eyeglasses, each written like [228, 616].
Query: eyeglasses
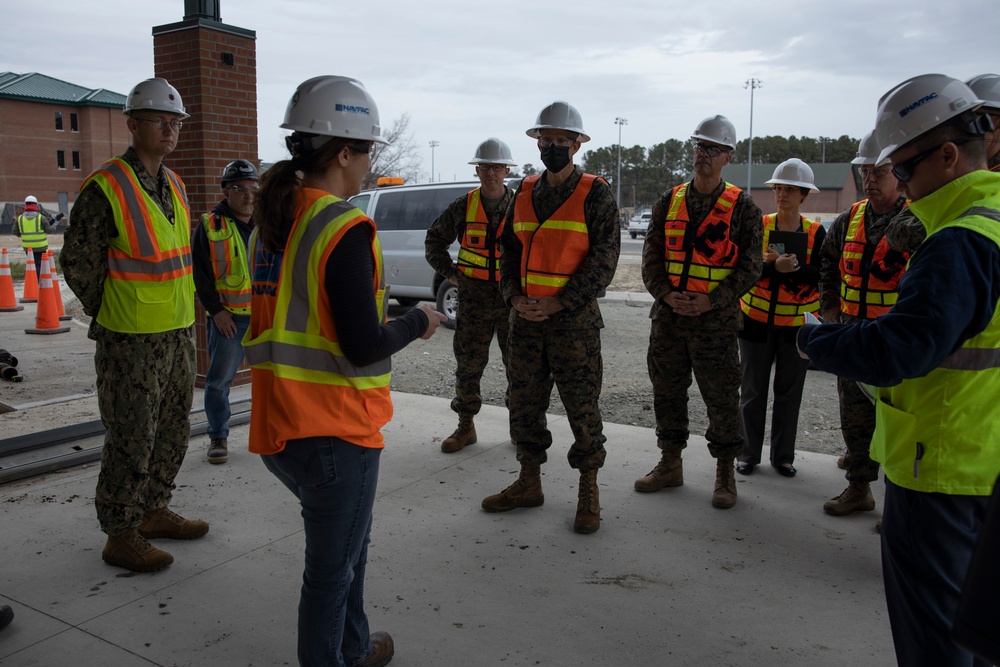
[904, 170]
[361, 149]
[242, 189]
[159, 123]
[563, 142]
[874, 172]
[710, 151]
[495, 168]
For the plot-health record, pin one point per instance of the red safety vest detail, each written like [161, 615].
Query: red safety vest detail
[869, 274]
[782, 307]
[552, 250]
[479, 256]
[698, 259]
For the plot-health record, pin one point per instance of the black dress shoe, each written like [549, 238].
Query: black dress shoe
[744, 468]
[787, 470]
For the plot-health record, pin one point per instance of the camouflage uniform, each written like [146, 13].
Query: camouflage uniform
[145, 382]
[857, 414]
[566, 348]
[482, 310]
[706, 344]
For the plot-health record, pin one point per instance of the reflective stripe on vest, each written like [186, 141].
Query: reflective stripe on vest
[782, 307]
[306, 385]
[479, 256]
[148, 287]
[551, 250]
[869, 275]
[32, 232]
[698, 259]
[229, 260]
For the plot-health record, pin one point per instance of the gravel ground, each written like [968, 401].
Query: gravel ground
[428, 367]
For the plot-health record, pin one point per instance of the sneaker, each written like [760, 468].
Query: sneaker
[131, 551]
[166, 524]
[218, 450]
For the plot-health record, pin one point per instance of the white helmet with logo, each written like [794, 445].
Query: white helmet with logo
[30, 199]
[333, 106]
[493, 151]
[559, 116]
[794, 172]
[917, 106]
[987, 88]
[718, 130]
[868, 151]
[154, 95]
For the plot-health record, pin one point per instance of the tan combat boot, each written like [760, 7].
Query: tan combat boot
[464, 435]
[668, 472]
[725, 484]
[588, 507]
[526, 491]
[166, 524]
[857, 497]
[131, 551]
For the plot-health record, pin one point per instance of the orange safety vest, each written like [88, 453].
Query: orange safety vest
[479, 256]
[869, 275]
[782, 307]
[303, 385]
[699, 258]
[552, 250]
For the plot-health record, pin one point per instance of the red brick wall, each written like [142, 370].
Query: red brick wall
[29, 141]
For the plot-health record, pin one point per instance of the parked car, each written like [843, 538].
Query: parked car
[638, 225]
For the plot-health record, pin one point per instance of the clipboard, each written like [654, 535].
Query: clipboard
[790, 242]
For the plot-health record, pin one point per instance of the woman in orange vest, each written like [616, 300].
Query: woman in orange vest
[319, 349]
[773, 311]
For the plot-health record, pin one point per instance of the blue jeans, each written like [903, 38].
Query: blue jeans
[927, 543]
[226, 355]
[335, 483]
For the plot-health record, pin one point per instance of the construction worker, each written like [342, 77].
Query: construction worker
[932, 362]
[127, 257]
[222, 280]
[319, 348]
[475, 220]
[773, 311]
[859, 273]
[702, 253]
[561, 243]
[32, 228]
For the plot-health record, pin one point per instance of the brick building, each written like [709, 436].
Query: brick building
[52, 135]
[838, 188]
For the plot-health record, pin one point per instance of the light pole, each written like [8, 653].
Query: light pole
[434, 144]
[823, 140]
[752, 84]
[618, 179]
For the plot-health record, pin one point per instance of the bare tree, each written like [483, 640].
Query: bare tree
[400, 158]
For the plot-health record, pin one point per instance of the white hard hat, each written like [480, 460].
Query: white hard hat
[718, 130]
[559, 116]
[917, 106]
[154, 95]
[987, 88]
[794, 172]
[493, 151]
[30, 199]
[333, 106]
[868, 151]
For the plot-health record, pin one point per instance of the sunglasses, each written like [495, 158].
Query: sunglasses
[710, 151]
[904, 170]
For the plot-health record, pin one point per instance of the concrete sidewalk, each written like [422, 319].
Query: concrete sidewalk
[668, 580]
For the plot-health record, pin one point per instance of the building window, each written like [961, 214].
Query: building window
[61, 159]
[59, 127]
[74, 123]
[76, 160]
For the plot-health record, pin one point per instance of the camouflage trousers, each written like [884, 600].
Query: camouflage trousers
[145, 385]
[539, 356]
[857, 423]
[713, 356]
[481, 313]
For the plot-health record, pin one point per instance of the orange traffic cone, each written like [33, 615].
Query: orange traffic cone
[8, 302]
[56, 291]
[30, 293]
[46, 317]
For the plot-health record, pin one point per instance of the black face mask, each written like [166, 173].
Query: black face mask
[555, 158]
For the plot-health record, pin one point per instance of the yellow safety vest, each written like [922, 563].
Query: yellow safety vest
[229, 260]
[32, 233]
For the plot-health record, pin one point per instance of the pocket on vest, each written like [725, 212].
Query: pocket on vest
[894, 442]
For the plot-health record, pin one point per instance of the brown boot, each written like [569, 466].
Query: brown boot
[382, 650]
[464, 435]
[668, 472]
[725, 484]
[164, 523]
[526, 491]
[588, 507]
[131, 551]
[857, 497]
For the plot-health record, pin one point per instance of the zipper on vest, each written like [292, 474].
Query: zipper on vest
[916, 461]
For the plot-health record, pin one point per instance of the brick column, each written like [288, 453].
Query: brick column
[214, 67]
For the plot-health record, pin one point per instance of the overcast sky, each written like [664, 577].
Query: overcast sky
[466, 71]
